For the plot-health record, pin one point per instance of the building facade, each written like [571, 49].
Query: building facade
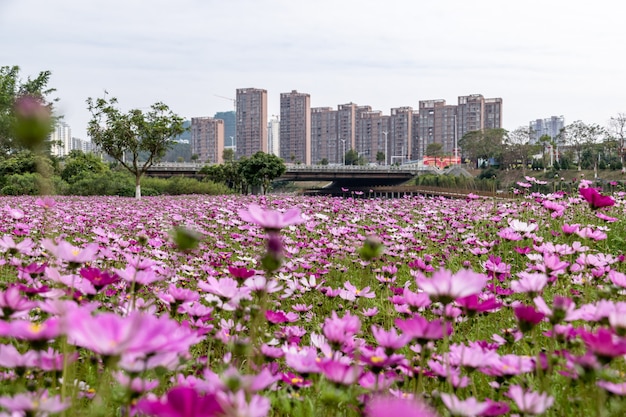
[273, 135]
[295, 127]
[251, 121]
[207, 139]
[61, 140]
[325, 145]
[400, 139]
[551, 126]
[229, 119]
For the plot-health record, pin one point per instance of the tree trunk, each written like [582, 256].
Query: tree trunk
[138, 187]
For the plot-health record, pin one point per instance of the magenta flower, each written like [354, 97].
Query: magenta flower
[445, 286]
[271, 220]
[182, 402]
[530, 402]
[391, 406]
[614, 388]
[528, 317]
[595, 199]
[604, 344]
[98, 278]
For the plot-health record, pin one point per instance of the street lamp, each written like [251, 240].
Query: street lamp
[385, 133]
[343, 141]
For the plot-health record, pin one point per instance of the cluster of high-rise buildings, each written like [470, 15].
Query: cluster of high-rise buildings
[312, 135]
[62, 141]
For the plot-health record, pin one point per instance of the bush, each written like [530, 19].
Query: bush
[28, 183]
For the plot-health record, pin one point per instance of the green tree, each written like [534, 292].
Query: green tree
[261, 169]
[13, 87]
[380, 157]
[352, 157]
[130, 134]
[518, 148]
[324, 161]
[483, 144]
[434, 149]
[580, 137]
[78, 163]
[228, 155]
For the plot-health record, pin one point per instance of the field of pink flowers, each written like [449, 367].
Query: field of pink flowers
[294, 306]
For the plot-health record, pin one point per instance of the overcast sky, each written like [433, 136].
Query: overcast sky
[542, 57]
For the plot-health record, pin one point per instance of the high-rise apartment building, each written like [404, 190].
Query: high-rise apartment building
[370, 134]
[546, 127]
[325, 144]
[251, 123]
[400, 134]
[493, 113]
[61, 139]
[470, 114]
[346, 121]
[229, 128]
[437, 124]
[207, 139]
[273, 136]
[295, 127]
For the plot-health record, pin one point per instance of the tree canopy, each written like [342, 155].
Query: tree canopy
[135, 139]
[12, 88]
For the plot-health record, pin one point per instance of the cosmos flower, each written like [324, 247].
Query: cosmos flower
[182, 402]
[469, 407]
[271, 220]
[446, 286]
[391, 406]
[530, 402]
[595, 199]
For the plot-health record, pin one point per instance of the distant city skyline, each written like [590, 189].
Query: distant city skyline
[561, 57]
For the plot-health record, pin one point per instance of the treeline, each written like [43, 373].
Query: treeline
[85, 174]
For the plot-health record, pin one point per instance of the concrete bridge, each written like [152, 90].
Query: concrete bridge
[354, 175]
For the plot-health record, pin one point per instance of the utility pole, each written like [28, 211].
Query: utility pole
[385, 133]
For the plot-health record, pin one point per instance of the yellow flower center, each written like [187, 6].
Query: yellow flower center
[376, 359]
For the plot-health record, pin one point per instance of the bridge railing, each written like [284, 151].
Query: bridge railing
[197, 166]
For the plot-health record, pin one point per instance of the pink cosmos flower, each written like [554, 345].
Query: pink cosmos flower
[339, 372]
[7, 244]
[595, 199]
[469, 407]
[530, 402]
[422, 330]
[392, 406]
[389, 339]
[12, 301]
[614, 388]
[446, 286]
[182, 402]
[271, 220]
[109, 334]
[350, 292]
[529, 282]
[340, 329]
[65, 251]
[34, 403]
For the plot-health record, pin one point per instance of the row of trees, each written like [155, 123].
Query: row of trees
[26, 172]
[578, 144]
